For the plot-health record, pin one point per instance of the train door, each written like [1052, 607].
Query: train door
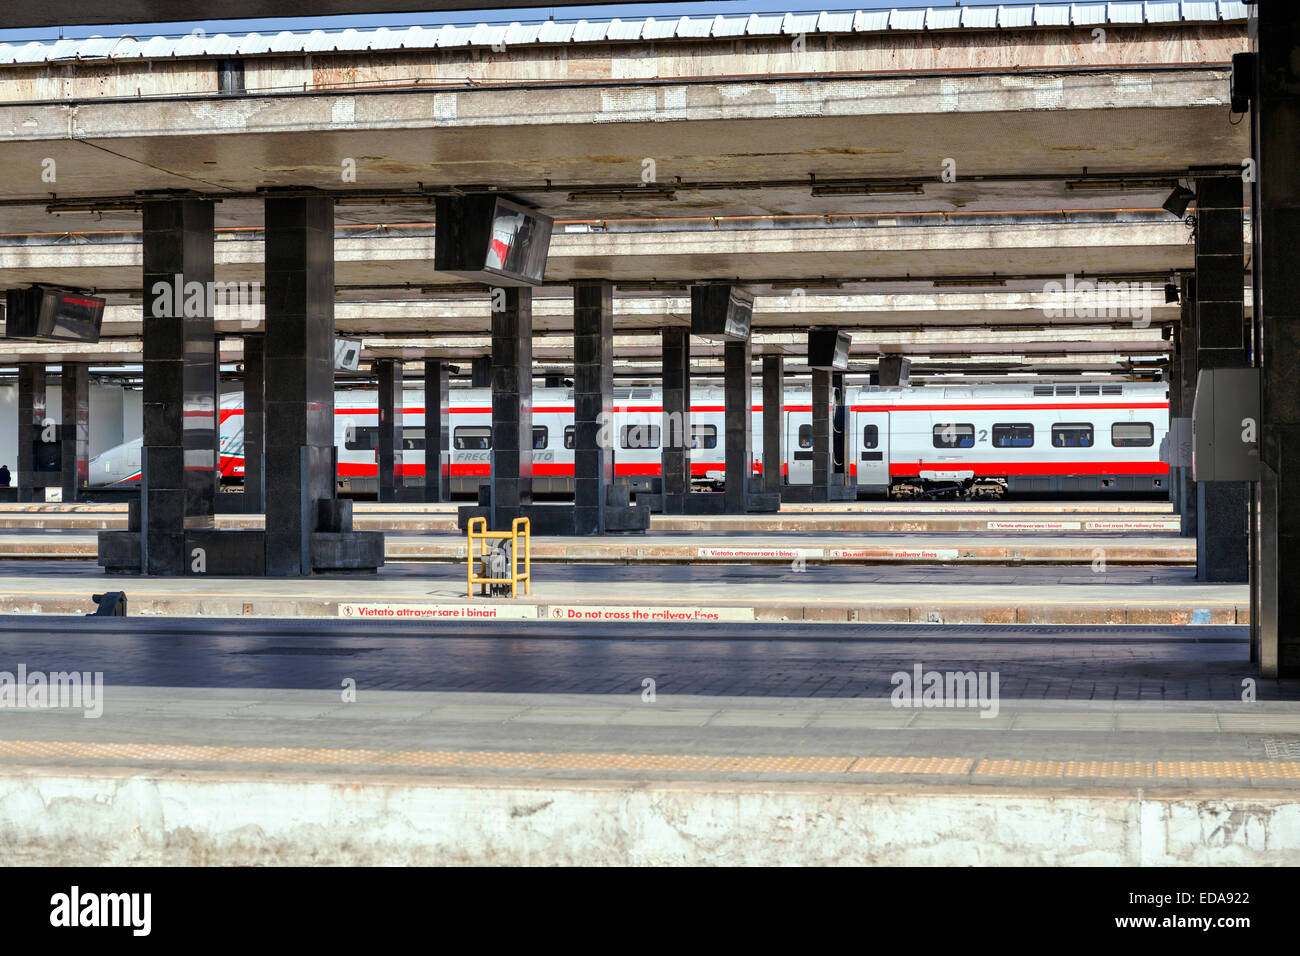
[870, 444]
[798, 447]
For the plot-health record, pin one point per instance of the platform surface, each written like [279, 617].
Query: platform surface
[536, 742]
[671, 594]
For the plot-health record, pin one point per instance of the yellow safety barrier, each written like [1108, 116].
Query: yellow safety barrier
[519, 529]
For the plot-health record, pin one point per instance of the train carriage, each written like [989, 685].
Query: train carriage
[979, 441]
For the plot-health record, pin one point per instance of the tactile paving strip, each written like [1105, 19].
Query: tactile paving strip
[1199, 769]
[678, 763]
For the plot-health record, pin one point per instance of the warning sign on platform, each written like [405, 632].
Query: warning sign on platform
[448, 612]
[760, 554]
[649, 614]
[1137, 524]
[1033, 526]
[894, 554]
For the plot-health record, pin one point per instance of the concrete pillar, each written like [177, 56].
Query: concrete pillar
[676, 429]
[388, 453]
[31, 428]
[75, 434]
[1185, 385]
[254, 423]
[773, 403]
[299, 375]
[179, 399]
[822, 468]
[437, 431]
[593, 403]
[1222, 539]
[839, 429]
[512, 407]
[1276, 120]
[738, 387]
[480, 371]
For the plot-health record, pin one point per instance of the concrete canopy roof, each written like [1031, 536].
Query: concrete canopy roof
[737, 148]
[402, 264]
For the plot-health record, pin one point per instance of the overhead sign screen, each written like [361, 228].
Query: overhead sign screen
[519, 244]
[828, 349]
[49, 314]
[491, 240]
[721, 311]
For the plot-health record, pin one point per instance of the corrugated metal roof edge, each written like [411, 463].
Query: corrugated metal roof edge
[287, 42]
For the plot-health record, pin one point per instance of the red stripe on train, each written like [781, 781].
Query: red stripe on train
[1005, 468]
[1002, 407]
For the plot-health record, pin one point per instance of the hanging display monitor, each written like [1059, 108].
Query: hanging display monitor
[51, 314]
[828, 349]
[721, 311]
[491, 240]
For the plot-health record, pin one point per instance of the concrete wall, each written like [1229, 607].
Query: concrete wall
[115, 417]
[119, 816]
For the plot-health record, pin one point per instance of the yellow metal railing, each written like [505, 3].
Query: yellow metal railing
[478, 532]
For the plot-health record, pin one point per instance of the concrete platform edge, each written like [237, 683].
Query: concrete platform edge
[127, 816]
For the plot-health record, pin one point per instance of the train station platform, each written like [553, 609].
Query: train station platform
[1148, 517]
[238, 746]
[860, 548]
[852, 533]
[672, 596]
[907, 522]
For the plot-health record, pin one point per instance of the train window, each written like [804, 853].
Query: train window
[870, 436]
[1013, 436]
[366, 438]
[363, 438]
[640, 436]
[570, 436]
[1132, 434]
[472, 438]
[541, 435]
[805, 436]
[952, 435]
[704, 436]
[1074, 435]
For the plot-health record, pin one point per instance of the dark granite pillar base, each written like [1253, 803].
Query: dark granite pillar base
[388, 454]
[1222, 552]
[773, 403]
[593, 404]
[75, 434]
[1276, 224]
[512, 407]
[675, 428]
[437, 431]
[179, 455]
[738, 369]
[33, 432]
[254, 423]
[822, 466]
[300, 454]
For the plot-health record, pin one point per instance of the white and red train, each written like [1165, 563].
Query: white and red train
[972, 440]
